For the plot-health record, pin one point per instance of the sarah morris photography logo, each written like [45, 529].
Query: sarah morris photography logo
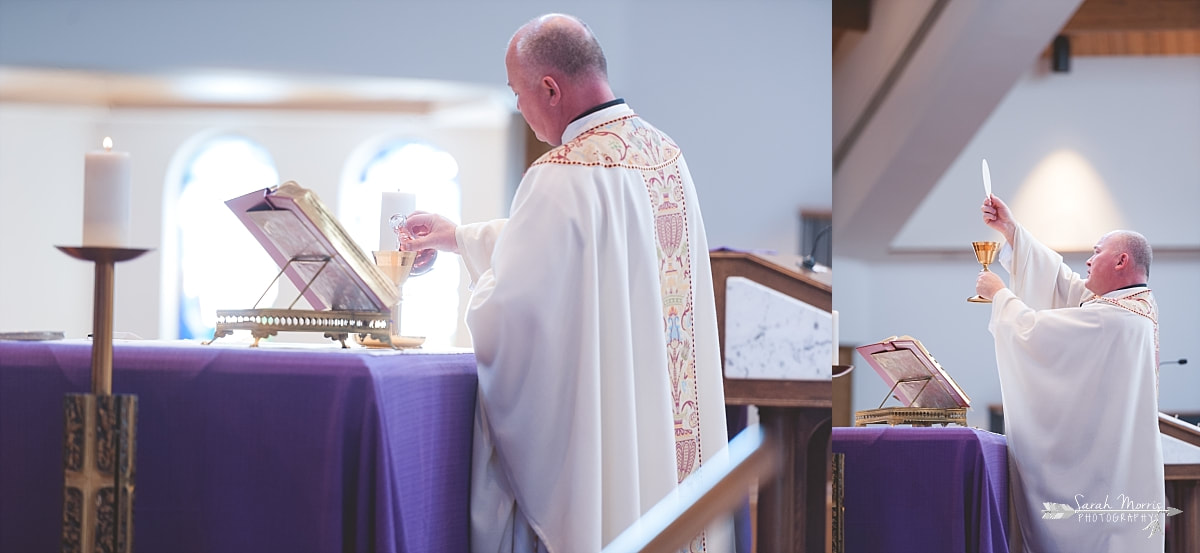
[1128, 512]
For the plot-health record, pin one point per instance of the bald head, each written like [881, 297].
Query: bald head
[557, 70]
[562, 44]
[1120, 259]
[1136, 246]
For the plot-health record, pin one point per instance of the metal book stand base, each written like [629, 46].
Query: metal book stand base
[915, 416]
[337, 325]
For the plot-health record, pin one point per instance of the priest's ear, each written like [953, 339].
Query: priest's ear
[550, 86]
[1123, 261]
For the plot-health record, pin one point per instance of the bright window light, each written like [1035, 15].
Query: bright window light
[430, 304]
[222, 266]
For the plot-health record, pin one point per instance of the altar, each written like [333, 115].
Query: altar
[272, 449]
[924, 489]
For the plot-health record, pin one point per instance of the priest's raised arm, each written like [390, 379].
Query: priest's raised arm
[1037, 273]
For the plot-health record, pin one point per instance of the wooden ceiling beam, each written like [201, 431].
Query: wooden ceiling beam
[1135, 15]
[1135, 28]
[1135, 43]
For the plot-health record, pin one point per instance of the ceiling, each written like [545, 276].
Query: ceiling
[1135, 28]
[913, 82]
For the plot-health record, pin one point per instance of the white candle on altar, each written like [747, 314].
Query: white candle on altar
[106, 197]
[391, 204]
[836, 358]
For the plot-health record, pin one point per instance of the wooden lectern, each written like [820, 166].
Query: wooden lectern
[796, 413]
[1182, 468]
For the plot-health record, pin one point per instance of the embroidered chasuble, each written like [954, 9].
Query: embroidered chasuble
[1079, 378]
[594, 326]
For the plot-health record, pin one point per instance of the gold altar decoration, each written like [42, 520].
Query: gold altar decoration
[985, 253]
[350, 294]
[928, 393]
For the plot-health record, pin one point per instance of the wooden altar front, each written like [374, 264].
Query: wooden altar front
[1182, 472]
[797, 414]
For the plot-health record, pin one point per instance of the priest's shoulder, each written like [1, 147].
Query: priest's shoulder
[627, 142]
[1133, 310]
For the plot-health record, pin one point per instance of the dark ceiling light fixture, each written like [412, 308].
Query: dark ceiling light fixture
[1060, 54]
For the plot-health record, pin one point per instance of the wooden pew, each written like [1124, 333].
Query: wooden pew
[715, 489]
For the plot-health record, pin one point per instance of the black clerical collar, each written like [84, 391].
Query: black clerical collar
[605, 105]
[1142, 285]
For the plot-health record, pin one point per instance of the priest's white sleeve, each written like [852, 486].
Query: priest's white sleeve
[476, 242]
[1038, 275]
[1017, 325]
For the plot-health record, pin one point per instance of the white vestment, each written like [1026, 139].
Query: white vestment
[594, 326]
[1079, 384]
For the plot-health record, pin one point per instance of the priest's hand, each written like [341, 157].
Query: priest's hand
[997, 215]
[988, 284]
[430, 231]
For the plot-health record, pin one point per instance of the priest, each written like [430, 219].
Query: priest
[1078, 361]
[592, 316]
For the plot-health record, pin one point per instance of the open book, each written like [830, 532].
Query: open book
[916, 378]
[314, 250]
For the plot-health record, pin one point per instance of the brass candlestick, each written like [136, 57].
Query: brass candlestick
[102, 308]
[100, 432]
[985, 252]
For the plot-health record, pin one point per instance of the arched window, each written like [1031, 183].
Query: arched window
[221, 266]
[430, 304]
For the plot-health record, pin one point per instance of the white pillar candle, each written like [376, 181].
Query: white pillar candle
[836, 358]
[106, 197]
[391, 204]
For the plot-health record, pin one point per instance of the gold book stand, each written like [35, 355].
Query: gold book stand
[348, 292]
[929, 395]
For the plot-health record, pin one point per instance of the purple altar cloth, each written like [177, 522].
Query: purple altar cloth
[253, 450]
[924, 490]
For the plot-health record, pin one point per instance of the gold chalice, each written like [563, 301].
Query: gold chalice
[396, 265]
[985, 252]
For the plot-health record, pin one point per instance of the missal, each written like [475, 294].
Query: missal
[348, 292]
[929, 394]
[314, 250]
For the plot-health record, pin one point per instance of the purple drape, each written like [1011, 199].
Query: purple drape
[253, 450]
[921, 490]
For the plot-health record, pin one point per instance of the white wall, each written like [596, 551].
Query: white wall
[1136, 121]
[41, 205]
[744, 87]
